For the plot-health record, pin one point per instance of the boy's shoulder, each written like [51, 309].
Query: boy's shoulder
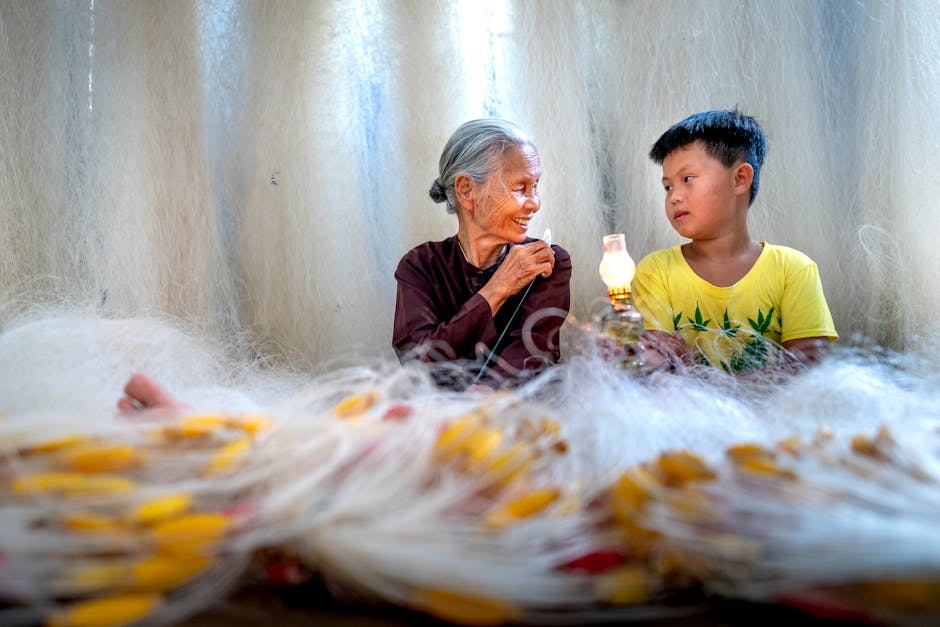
[785, 255]
[662, 257]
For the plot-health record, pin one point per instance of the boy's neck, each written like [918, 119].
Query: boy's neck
[722, 248]
[723, 261]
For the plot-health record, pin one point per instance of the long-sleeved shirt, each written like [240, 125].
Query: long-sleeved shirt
[440, 313]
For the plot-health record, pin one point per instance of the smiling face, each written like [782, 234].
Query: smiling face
[705, 199]
[503, 204]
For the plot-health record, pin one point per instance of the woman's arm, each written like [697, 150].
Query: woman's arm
[417, 323]
[533, 341]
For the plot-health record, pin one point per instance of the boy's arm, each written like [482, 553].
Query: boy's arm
[661, 345]
[805, 315]
[807, 350]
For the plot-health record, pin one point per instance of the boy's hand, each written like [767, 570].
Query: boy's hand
[661, 349]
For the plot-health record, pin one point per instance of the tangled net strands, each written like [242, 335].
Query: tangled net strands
[584, 495]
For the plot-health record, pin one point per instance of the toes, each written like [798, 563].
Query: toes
[142, 393]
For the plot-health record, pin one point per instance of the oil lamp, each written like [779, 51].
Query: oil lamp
[621, 322]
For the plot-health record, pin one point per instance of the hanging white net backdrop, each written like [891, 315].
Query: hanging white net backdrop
[217, 193]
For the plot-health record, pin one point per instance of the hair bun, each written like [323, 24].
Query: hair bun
[437, 191]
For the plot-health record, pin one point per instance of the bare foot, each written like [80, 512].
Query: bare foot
[142, 393]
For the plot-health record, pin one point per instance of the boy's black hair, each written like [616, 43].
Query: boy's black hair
[729, 136]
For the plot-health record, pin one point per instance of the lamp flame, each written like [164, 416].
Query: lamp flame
[617, 267]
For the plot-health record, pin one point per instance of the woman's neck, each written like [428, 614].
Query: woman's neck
[478, 251]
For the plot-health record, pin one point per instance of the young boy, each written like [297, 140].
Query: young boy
[723, 298]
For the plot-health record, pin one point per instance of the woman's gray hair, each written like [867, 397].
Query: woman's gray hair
[475, 149]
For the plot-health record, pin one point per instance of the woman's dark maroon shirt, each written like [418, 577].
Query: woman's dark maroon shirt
[438, 308]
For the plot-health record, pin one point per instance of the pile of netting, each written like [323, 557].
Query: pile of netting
[584, 495]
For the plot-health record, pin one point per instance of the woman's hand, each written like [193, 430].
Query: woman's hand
[523, 263]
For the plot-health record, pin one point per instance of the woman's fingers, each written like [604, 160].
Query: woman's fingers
[536, 259]
[546, 256]
[524, 263]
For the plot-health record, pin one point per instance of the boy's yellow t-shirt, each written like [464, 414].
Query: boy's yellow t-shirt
[737, 327]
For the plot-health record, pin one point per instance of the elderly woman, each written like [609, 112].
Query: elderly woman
[490, 288]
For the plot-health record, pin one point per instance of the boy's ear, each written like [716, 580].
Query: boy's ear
[743, 177]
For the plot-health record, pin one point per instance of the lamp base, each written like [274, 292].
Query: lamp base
[623, 324]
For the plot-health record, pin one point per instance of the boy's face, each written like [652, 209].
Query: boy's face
[703, 196]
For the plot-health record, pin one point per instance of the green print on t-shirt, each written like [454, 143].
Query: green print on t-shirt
[748, 354]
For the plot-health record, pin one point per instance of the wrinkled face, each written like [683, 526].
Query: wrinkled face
[700, 193]
[507, 200]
